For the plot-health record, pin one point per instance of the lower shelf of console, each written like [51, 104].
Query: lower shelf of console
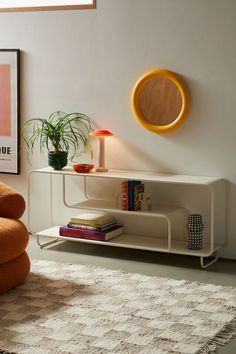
[148, 243]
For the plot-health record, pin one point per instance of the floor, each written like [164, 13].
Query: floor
[149, 263]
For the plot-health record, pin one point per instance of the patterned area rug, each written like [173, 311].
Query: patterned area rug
[67, 308]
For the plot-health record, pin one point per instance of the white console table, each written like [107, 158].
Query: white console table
[173, 198]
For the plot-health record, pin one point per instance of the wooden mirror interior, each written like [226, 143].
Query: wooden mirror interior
[160, 100]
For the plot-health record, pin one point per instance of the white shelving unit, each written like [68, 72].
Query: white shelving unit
[163, 228]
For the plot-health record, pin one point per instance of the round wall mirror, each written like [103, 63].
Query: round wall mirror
[160, 100]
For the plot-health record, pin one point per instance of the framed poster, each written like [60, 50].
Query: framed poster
[9, 111]
[39, 5]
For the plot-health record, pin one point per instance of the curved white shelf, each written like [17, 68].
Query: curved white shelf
[132, 175]
[172, 236]
[134, 241]
[110, 205]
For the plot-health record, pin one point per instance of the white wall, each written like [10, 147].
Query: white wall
[88, 61]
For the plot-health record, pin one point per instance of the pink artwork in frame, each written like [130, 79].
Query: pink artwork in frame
[9, 111]
[5, 100]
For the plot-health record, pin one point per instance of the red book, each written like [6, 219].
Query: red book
[91, 234]
[125, 195]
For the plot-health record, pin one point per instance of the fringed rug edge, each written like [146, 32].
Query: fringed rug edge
[224, 336]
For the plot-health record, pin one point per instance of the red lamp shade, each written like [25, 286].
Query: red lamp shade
[101, 132]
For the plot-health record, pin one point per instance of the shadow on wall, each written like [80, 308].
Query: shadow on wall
[231, 221]
[122, 154]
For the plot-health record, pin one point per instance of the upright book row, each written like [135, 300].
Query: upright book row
[132, 195]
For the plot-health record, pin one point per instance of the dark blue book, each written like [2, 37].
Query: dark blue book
[132, 184]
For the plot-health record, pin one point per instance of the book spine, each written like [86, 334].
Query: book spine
[92, 228]
[94, 237]
[86, 234]
[132, 184]
[131, 196]
[138, 195]
[83, 222]
[125, 196]
[95, 224]
[84, 227]
[91, 222]
[136, 199]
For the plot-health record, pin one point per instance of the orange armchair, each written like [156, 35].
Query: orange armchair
[14, 261]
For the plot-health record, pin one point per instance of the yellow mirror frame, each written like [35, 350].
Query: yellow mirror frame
[184, 91]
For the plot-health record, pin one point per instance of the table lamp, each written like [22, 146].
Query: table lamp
[101, 133]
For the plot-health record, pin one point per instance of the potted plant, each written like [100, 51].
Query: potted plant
[63, 135]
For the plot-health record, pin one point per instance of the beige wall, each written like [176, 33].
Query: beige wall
[88, 61]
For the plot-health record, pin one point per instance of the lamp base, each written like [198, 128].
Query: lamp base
[101, 169]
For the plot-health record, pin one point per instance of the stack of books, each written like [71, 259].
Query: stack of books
[132, 195]
[98, 226]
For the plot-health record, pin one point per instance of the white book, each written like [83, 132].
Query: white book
[114, 233]
[92, 217]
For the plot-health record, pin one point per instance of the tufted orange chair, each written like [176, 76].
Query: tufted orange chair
[14, 261]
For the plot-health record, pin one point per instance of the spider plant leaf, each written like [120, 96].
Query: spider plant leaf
[62, 131]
